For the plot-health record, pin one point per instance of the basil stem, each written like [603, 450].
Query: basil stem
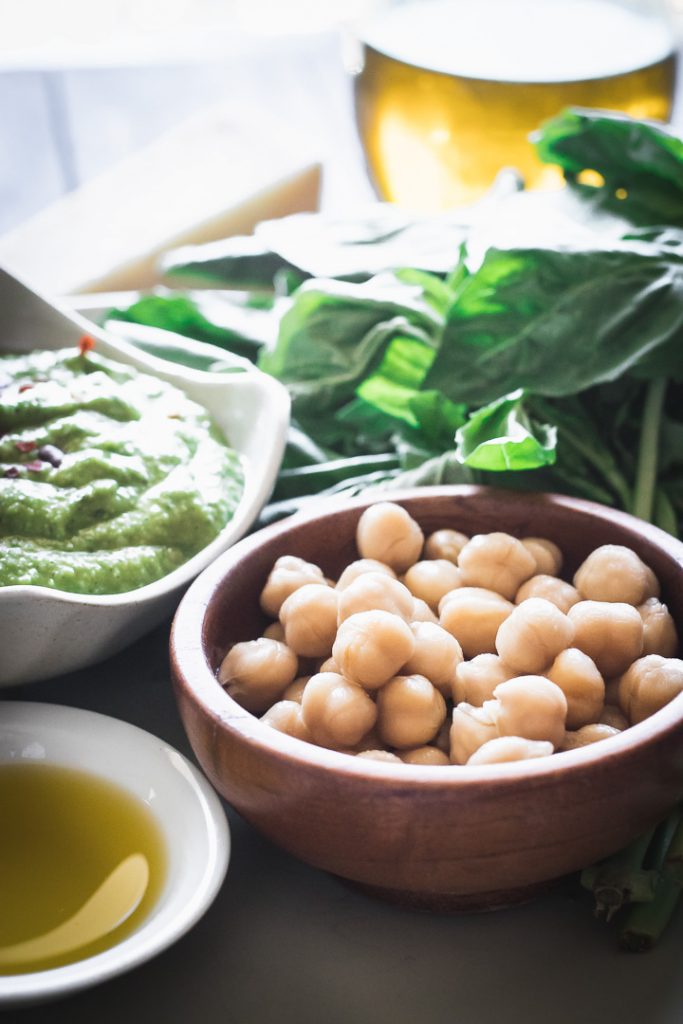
[648, 449]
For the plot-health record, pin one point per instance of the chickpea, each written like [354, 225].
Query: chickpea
[614, 717]
[309, 617]
[256, 672]
[287, 575]
[550, 588]
[379, 755]
[609, 633]
[275, 631]
[328, 665]
[375, 592]
[422, 612]
[648, 685]
[476, 680]
[410, 711]
[533, 635]
[431, 579]
[588, 734]
[496, 561]
[371, 647]
[613, 573]
[445, 544]
[360, 566]
[425, 755]
[285, 716]
[510, 748]
[470, 729]
[473, 616]
[531, 707]
[547, 555]
[653, 588]
[659, 630]
[581, 683]
[295, 690]
[336, 712]
[437, 655]
[388, 533]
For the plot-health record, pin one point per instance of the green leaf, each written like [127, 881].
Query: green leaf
[335, 333]
[502, 436]
[232, 323]
[440, 469]
[316, 479]
[641, 162]
[397, 378]
[437, 292]
[381, 237]
[238, 262]
[557, 321]
[437, 417]
[302, 450]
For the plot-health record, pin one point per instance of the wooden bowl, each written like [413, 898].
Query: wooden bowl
[442, 837]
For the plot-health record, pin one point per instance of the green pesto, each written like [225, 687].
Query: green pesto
[145, 478]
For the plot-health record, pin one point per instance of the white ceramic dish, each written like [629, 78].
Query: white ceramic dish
[187, 810]
[50, 632]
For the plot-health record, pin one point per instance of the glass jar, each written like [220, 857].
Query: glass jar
[448, 91]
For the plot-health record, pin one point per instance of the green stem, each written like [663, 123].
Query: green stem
[673, 864]
[610, 473]
[645, 922]
[648, 449]
[621, 879]
[663, 838]
[577, 431]
[665, 513]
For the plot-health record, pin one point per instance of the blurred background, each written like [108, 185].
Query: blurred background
[85, 84]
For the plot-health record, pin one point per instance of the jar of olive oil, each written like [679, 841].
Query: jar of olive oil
[447, 91]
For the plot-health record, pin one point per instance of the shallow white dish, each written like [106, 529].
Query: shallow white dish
[185, 806]
[49, 632]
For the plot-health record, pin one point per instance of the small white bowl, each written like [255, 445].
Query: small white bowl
[186, 809]
[48, 632]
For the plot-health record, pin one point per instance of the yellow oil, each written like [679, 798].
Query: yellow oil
[63, 833]
[447, 92]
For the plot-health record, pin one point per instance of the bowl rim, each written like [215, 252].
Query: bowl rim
[254, 493]
[194, 679]
[154, 935]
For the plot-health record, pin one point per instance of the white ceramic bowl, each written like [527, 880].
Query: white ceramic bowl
[48, 632]
[187, 810]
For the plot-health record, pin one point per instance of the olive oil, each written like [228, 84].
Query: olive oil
[82, 863]
[447, 92]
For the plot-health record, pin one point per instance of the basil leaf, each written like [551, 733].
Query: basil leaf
[557, 321]
[641, 162]
[335, 334]
[239, 262]
[228, 321]
[437, 417]
[502, 436]
[397, 378]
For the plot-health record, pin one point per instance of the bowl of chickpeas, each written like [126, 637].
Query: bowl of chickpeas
[450, 696]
